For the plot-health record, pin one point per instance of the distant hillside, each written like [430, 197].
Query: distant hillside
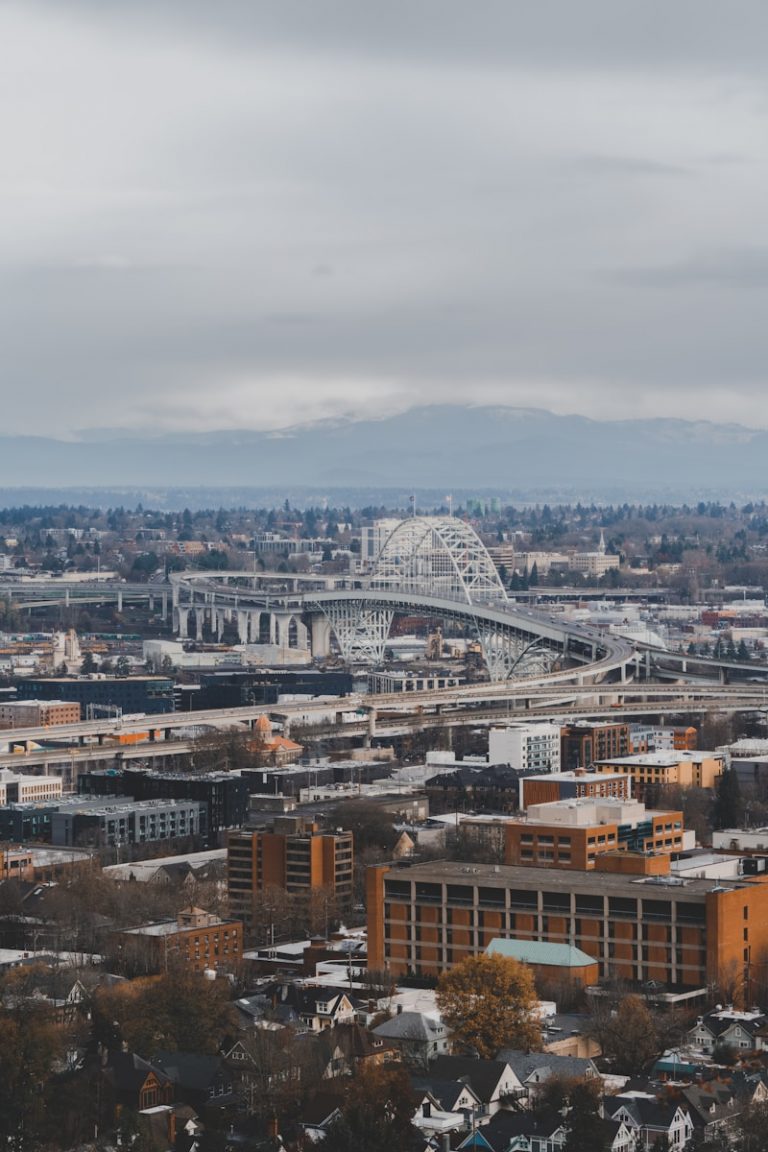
[509, 450]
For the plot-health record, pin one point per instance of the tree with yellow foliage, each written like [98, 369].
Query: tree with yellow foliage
[489, 1002]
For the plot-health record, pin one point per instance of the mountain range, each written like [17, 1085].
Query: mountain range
[523, 453]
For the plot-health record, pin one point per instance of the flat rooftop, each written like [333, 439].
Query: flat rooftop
[514, 876]
[581, 775]
[663, 759]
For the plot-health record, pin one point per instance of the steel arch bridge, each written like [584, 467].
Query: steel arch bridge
[437, 556]
[429, 565]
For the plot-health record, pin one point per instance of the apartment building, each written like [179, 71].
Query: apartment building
[583, 743]
[92, 823]
[573, 833]
[684, 934]
[686, 769]
[195, 940]
[294, 855]
[531, 747]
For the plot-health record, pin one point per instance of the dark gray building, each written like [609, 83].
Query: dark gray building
[123, 821]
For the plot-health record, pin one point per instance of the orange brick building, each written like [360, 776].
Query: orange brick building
[38, 713]
[573, 834]
[685, 934]
[294, 855]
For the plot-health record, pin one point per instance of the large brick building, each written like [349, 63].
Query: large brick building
[582, 743]
[294, 855]
[196, 940]
[685, 934]
[38, 713]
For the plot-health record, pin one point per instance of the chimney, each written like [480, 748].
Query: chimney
[426, 1109]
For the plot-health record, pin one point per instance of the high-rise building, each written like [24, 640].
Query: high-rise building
[295, 855]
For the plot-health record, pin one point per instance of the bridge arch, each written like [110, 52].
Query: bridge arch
[437, 556]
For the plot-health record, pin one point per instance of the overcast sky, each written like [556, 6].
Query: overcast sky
[249, 214]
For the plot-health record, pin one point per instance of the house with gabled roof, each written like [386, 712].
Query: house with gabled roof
[420, 1037]
[518, 1132]
[651, 1118]
[493, 1081]
[533, 1069]
[745, 1031]
[134, 1083]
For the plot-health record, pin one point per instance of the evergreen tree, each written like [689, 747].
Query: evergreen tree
[728, 803]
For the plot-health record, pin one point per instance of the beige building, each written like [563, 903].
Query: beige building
[594, 563]
[686, 769]
[19, 789]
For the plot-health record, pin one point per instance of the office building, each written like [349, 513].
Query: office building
[573, 833]
[131, 694]
[19, 788]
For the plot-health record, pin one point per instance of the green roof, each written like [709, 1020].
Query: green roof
[535, 952]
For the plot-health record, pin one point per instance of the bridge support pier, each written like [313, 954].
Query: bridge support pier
[371, 728]
[320, 637]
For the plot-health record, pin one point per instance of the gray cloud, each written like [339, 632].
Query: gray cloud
[252, 214]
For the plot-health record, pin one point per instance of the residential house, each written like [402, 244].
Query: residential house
[134, 1083]
[199, 1080]
[726, 1027]
[419, 1037]
[518, 1132]
[493, 1081]
[651, 1118]
[533, 1069]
